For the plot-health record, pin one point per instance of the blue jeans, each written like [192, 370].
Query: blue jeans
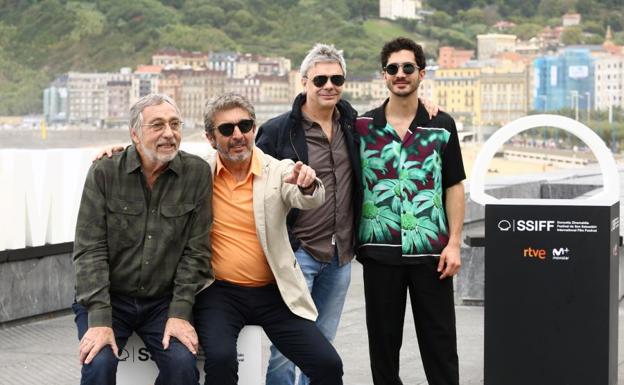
[146, 317]
[328, 283]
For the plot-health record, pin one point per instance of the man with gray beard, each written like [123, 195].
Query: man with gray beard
[142, 249]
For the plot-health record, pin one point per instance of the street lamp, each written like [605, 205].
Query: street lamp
[574, 95]
[545, 97]
[613, 149]
[588, 94]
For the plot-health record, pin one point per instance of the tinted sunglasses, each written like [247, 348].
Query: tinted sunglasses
[320, 80]
[393, 69]
[244, 125]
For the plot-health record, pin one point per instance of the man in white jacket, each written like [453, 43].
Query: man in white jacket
[257, 277]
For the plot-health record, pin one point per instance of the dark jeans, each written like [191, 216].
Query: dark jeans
[385, 292]
[223, 309]
[146, 317]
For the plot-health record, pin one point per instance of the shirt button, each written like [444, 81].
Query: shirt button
[125, 208]
[153, 211]
[142, 288]
[147, 262]
[149, 237]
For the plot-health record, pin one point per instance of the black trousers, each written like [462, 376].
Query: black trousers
[223, 309]
[385, 291]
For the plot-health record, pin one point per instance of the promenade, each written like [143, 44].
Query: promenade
[45, 351]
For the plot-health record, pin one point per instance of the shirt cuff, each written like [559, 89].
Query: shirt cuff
[180, 310]
[101, 317]
[311, 189]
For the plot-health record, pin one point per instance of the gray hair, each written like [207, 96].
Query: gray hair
[225, 102]
[136, 111]
[322, 53]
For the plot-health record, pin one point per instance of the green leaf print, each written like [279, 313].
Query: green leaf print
[370, 162]
[417, 231]
[430, 136]
[376, 220]
[433, 164]
[392, 152]
[390, 189]
[411, 172]
[432, 199]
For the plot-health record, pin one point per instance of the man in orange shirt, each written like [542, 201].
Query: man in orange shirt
[257, 277]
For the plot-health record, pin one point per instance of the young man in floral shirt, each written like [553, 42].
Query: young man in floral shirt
[412, 216]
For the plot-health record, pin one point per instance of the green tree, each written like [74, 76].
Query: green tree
[441, 19]
[572, 35]
[89, 21]
[202, 13]
[551, 8]
[526, 31]
[197, 38]
[472, 16]
[363, 9]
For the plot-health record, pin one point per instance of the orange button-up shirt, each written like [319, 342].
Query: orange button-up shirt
[237, 255]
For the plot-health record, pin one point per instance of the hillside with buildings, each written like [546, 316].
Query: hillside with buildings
[84, 63]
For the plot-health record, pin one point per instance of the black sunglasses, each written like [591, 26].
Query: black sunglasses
[320, 80]
[393, 69]
[244, 125]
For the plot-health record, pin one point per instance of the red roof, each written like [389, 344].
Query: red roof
[148, 69]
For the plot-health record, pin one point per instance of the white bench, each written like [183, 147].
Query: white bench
[137, 368]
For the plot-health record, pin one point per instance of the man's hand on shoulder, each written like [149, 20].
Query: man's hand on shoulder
[183, 331]
[108, 152]
[450, 261]
[431, 107]
[94, 340]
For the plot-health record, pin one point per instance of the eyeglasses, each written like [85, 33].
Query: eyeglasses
[175, 125]
[227, 129]
[320, 80]
[408, 68]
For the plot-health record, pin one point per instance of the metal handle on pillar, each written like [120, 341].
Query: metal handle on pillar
[610, 175]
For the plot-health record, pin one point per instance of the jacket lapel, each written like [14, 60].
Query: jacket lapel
[259, 191]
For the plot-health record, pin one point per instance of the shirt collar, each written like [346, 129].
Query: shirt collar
[133, 161]
[309, 123]
[255, 168]
[421, 119]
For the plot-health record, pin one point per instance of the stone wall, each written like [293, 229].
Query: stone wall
[35, 286]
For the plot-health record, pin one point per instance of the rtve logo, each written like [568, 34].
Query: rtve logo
[526, 225]
[530, 252]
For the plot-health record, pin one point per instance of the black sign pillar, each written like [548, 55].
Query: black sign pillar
[551, 285]
[551, 276]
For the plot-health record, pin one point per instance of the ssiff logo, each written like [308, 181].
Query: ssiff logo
[528, 225]
[504, 225]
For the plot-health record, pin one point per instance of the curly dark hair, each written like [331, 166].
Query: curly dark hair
[403, 43]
